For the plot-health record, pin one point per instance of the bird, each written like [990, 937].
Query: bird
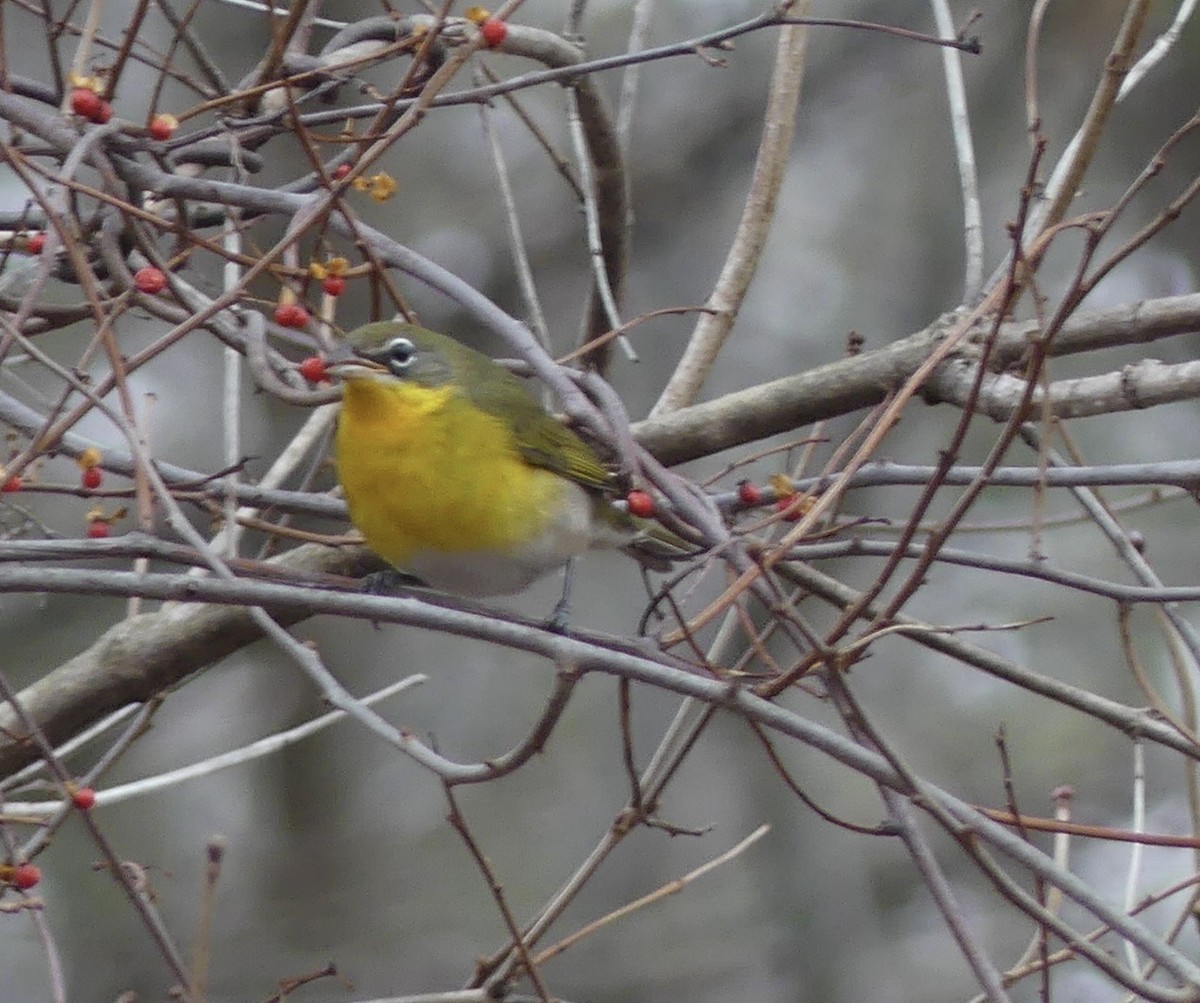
[454, 472]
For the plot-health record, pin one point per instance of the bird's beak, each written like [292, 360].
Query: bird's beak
[346, 364]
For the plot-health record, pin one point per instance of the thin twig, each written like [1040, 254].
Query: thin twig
[671, 888]
[745, 250]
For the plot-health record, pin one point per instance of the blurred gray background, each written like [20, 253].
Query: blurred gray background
[338, 848]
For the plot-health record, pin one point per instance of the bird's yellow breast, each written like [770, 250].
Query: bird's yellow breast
[424, 470]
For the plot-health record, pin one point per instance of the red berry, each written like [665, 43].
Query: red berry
[334, 285]
[494, 32]
[25, 876]
[149, 280]
[91, 478]
[313, 369]
[98, 529]
[84, 798]
[640, 504]
[12, 484]
[35, 243]
[86, 103]
[103, 113]
[163, 126]
[340, 171]
[790, 507]
[291, 315]
[749, 493]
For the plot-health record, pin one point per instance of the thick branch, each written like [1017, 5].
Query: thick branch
[862, 381]
[149, 653]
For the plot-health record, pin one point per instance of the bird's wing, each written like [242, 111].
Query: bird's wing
[545, 443]
[541, 440]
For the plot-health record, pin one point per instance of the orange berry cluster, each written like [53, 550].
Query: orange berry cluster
[291, 315]
[162, 127]
[149, 280]
[491, 29]
[86, 103]
[313, 369]
[22, 876]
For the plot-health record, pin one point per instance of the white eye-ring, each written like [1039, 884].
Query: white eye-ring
[400, 355]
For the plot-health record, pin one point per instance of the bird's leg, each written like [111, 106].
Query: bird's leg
[561, 616]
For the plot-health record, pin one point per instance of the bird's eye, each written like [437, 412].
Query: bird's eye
[400, 354]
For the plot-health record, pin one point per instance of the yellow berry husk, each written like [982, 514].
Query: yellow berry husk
[78, 80]
[781, 485]
[477, 14]
[382, 186]
[89, 458]
[317, 270]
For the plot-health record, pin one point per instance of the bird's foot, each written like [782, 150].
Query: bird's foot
[560, 617]
[387, 582]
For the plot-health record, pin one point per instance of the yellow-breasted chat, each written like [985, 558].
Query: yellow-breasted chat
[455, 473]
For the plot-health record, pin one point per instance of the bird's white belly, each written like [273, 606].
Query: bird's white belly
[571, 531]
